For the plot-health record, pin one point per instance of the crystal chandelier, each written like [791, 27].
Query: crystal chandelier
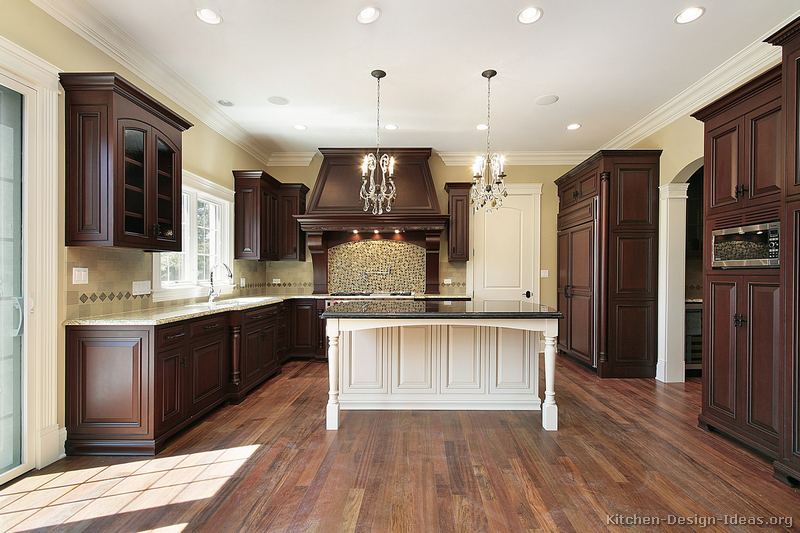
[488, 187]
[378, 196]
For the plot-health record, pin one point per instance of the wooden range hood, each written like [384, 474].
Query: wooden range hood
[335, 209]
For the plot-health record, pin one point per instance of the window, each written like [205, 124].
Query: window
[206, 228]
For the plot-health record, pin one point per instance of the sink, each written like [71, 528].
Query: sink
[251, 300]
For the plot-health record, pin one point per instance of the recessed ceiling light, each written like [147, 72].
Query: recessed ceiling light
[547, 99]
[397, 231]
[368, 15]
[208, 15]
[574, 126]
[690, 14]
[355, 232]
[375, 231]
[300, 127]
[278, 100]
[391, 127]
[226, 103]
[482, 127]
[529, 15]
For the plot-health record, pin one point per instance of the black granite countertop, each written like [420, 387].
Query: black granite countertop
[497, 309]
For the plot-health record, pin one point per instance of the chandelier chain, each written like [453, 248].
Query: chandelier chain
[378, 125]
[488, 115]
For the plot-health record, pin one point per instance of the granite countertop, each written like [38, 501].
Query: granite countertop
[497, 309]
[167, 315]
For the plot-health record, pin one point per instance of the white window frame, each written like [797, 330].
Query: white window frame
[201, 188]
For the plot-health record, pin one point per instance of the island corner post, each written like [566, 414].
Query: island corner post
[548, 327]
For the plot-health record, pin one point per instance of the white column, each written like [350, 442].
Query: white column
[332, 411]
[549, 409]
[671, 282]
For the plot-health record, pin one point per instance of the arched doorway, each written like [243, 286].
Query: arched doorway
[672, 275]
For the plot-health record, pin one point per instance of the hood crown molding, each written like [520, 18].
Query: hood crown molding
[110, 39]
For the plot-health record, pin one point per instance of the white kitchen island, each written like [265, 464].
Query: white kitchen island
[440, 355]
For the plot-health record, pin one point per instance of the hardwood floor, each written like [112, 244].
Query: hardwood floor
[624, 447]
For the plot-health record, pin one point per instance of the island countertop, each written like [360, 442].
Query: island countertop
[405, 309]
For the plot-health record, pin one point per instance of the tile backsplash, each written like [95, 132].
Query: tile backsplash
[112, 271]
[376, 266]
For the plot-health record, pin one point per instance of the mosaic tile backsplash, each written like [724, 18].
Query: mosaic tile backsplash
[376, 266]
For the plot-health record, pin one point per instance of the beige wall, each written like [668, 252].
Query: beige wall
[205, 152]
[545, 174]
[682, 142]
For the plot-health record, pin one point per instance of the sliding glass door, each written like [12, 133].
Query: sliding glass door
[11, 304]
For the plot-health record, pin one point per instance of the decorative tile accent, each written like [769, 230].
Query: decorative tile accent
[376, 266]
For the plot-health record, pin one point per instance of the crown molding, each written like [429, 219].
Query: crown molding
[110, 39]
[755, 59]
[25, 64]
[465, 159]
[290, 159]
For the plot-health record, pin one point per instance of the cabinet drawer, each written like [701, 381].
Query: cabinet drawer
[261, 313]
[170, 335]
[209, 326]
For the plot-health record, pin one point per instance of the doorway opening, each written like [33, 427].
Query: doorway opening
[694, 275]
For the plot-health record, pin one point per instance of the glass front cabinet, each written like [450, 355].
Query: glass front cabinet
[123, 166]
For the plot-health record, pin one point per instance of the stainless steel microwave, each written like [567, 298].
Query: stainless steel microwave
[756, 246]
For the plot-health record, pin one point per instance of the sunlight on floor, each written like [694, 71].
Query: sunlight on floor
[47, 500]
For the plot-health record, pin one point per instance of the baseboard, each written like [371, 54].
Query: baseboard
[438, 405]
[51, 445]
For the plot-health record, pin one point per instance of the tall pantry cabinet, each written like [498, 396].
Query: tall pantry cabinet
[608, 262]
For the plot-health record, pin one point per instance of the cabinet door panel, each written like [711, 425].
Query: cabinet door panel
[458, 233]
[87, 188]
[268, 349]
[581, 326]
[170, 404]
[246, 234]
[133, 210]
[719, 366]
[287, 232]
[764, 134]
[722, 166]
[563, 280]
[581, 253]
[304, 327]
[167, 186]
[207, 371]
[763, 355]
[251, 354]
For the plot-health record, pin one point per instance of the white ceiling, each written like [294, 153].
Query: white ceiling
[611, 62]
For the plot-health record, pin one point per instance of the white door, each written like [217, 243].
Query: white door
[506, 250]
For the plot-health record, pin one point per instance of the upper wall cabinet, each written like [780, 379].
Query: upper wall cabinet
[458, 225]
[744, 146]
[255, 215]
[291, 240]
[123, 160]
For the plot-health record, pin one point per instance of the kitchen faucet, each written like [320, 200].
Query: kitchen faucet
[212, 293]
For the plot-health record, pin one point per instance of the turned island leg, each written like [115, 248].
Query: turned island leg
[549, 409]
[332, 412]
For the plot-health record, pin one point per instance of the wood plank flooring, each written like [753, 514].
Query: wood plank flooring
[624, 448]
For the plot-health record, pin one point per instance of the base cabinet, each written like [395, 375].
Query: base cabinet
[130, 388]
[742, 359]
[308, 338]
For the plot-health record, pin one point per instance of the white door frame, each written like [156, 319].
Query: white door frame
[37, 81]
[535, 190]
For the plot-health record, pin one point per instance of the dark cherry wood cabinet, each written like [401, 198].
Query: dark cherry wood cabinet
[307, 336]
[291, 239]
[265, 227]
[130, 388]
[123, 165]
[255, 215]
[742, 358]
[458, 225]
[608, 262]
[787, 465]
[744, 148]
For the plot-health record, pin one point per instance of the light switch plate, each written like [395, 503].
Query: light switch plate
[448, 281]
[275, 281]
[80, 276]
[242, 282]
[141, 287]
[545, 273]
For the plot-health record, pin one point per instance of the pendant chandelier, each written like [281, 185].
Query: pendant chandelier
[378, 196]
[488, 185]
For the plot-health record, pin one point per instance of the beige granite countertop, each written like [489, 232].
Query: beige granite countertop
[166, 315]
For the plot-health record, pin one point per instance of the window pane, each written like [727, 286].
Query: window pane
[173, 264]
[208, 237]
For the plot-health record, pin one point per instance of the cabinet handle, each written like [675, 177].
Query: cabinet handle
[175, 336]
[740, 191]
[183, 361]
[739, 320]
[211, 326]
[567, 293]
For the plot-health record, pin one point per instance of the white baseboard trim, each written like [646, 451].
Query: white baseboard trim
[51, 445]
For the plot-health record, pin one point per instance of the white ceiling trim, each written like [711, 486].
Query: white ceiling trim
[461, 159]
[109, 38]
[754, 59]
[290, 159]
